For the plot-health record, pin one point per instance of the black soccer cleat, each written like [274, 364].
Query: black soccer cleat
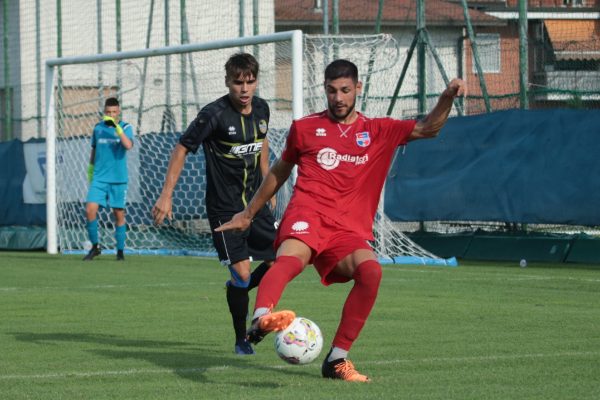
[243, 348]
[268, 323]
[342, 369]
[94, 251]
[120, 255]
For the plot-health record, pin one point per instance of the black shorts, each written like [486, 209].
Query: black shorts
[255, 243]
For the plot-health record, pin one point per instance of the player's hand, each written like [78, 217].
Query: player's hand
[90, 173]
[162, 209]
[456, 87]
[273, 203]
[240, 222]
[110, 121]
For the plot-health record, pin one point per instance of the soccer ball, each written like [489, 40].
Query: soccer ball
[299, 343]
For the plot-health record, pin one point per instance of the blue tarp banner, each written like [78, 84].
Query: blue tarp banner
[13, 210]
[525, 166]
[534, 166]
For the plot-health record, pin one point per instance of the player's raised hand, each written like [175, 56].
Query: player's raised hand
[108, 120]
[240, 222]
[456, 87]
[162, 209]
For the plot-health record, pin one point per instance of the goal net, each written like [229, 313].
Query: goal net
[161, 94]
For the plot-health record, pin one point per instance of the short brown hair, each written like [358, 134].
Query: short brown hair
[111, 102]
[241, 64]
[341, 69]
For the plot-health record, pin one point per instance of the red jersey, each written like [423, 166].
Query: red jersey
[342, 168]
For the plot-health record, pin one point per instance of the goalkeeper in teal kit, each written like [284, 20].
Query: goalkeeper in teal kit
[107, 175]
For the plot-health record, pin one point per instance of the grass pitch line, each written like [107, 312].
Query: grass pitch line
[94, 287]
[568, 354]
[187, 371]
[67, 375]
[474, 276]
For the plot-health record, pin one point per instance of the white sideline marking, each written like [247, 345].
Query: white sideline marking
[67, 375]
[64, 375]
[490, 358]
[506, 278]
[96, 287]
[475, 276]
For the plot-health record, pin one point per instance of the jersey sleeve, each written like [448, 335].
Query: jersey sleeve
[94, 137]
[397, 131]
[290, 152]
[129, 131]
[200, 128]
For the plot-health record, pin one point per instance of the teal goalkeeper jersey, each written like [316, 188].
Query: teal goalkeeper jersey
[110, 162]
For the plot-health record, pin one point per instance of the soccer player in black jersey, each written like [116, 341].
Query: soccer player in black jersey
[233, 133]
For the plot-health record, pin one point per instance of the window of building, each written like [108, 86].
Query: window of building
[488, 48]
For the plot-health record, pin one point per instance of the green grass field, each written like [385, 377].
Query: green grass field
[159, 328]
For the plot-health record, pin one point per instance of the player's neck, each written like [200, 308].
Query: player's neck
[244, 109]
[347, 120]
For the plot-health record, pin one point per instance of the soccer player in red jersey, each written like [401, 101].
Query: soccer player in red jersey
[343, 157]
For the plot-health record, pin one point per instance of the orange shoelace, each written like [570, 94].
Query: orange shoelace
[346, 371]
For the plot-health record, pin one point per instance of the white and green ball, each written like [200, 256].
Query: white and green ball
[300, 343]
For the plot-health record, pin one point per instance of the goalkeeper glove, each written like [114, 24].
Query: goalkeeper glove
[90, 172]
[110, 121]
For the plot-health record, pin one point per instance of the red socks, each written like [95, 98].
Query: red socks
[359, 303]
[283, 270]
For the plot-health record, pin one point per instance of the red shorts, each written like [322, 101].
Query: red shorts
[329, 241]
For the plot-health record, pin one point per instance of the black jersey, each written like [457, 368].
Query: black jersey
[232, 143]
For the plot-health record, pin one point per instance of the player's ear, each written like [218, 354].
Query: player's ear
[358, 87]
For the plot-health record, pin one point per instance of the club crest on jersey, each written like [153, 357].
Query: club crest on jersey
[363, 139]
[262, 126]
[231, 130]
[320, 132]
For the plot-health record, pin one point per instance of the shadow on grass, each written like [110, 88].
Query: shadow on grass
[110, 340]
[186, 360]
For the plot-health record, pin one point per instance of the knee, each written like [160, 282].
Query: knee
[239, 278]
[368, 272]
[90, 210]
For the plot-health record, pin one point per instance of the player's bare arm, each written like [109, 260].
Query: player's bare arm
[264, 167]
[163, 207]
[433, 122]
[278, 174]
[125, 141]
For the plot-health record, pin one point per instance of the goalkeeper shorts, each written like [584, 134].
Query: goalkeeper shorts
[113, 195]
